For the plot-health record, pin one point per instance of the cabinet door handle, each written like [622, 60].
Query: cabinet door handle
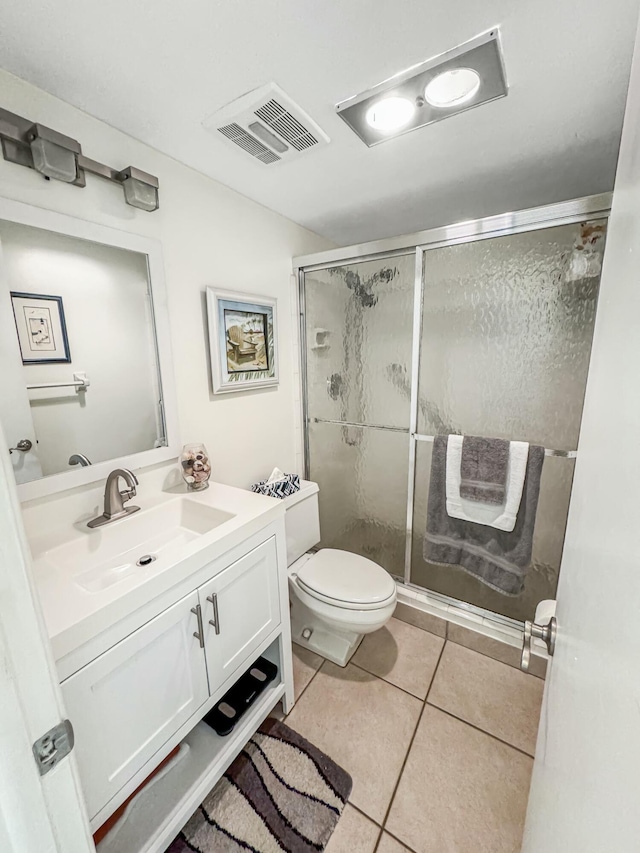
[199, 634]
[215, 622]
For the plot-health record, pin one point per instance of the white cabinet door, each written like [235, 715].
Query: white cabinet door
[240, 608]
[128, 702]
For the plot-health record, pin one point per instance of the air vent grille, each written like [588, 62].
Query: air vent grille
[285, 124]
[248, 143]
[267, 125]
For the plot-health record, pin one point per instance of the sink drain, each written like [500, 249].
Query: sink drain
[146, 560]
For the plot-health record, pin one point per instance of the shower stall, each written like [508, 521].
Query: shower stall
[481, 328]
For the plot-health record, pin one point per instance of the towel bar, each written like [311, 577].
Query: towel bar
[564, 454]
[80, 383]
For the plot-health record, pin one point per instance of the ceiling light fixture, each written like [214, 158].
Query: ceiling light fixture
[453, 87]
[390, 114]
[57, 156]
[462, 78]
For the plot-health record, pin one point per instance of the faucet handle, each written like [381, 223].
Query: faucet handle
[132, 481]
[133, 477]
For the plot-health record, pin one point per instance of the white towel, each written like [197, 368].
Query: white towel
[503, 516]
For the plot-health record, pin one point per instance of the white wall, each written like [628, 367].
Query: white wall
[210, 236]
[104, 292]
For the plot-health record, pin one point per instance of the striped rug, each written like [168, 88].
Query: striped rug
[281, 793]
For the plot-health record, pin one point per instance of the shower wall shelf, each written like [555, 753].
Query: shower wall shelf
[320, 339]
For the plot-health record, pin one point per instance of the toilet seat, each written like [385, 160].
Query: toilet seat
[346, 580]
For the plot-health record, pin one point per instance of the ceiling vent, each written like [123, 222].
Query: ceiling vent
[267, 125]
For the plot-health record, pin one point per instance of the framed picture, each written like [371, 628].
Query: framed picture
[42, 331]
[242, 341]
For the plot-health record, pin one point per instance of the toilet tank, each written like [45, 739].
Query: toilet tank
[302, 520]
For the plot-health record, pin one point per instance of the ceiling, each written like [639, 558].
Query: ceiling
[155, 70]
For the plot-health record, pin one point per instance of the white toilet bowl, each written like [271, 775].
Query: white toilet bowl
[336, 598]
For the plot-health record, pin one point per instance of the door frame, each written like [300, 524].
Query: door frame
[38, 814]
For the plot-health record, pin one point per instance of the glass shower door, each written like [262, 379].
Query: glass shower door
[358, 330]
[506, 337]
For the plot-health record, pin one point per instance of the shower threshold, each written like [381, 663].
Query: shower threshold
[493, 625]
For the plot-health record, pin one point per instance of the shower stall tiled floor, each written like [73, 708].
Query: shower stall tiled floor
[438, 738]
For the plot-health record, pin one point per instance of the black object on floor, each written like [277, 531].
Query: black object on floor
[223, 717]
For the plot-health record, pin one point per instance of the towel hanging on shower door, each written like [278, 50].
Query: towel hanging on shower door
[497, 558]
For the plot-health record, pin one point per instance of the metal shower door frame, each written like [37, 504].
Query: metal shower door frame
[420, 244]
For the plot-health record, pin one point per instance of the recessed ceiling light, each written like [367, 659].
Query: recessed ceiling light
[453, 87]
[390, 113]
[460, 79]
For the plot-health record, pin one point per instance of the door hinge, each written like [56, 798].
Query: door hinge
[53, 746]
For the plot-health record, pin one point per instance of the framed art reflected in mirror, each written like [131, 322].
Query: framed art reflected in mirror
[41, 328]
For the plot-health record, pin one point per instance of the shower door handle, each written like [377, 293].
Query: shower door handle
[546, 633]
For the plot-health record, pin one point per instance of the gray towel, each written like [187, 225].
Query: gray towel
[497, 558]
[483, 469]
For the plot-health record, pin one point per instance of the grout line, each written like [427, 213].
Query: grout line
[435, 672]
[386, 681]
[395, 838]
[448, 623]
[413, 737]
[478, 729]
[379, 838]
[498, 660]
[364, 814]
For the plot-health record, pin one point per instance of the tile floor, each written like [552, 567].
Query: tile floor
[438, 738]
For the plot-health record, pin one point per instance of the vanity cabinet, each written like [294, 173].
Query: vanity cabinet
[240, 608]
[128, 703]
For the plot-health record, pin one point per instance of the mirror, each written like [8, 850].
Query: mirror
[80, 371]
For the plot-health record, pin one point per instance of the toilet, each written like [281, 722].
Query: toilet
[336, 597]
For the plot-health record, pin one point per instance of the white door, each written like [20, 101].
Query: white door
[126, 704]
[38, 814]
[585, 794]
[240, 608]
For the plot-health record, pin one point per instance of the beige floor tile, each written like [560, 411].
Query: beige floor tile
[495, 649]
[402, 654]
[364, 724]
[461, 791]
[305, 666]
[388, 844]
[495, 697]
[354, 833]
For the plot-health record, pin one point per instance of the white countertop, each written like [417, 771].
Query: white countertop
[74, 615]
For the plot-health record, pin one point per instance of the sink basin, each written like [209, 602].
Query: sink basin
[145, 542]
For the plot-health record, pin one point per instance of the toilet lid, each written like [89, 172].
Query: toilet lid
[348, 578]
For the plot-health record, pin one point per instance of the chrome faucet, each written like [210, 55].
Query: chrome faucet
[79, 459]
[114, 499]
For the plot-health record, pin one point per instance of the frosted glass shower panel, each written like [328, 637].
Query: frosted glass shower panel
[358, 329]
[362, 474]
[506, 336]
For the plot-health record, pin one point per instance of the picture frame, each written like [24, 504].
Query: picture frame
[243, 340]
[41, 328]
